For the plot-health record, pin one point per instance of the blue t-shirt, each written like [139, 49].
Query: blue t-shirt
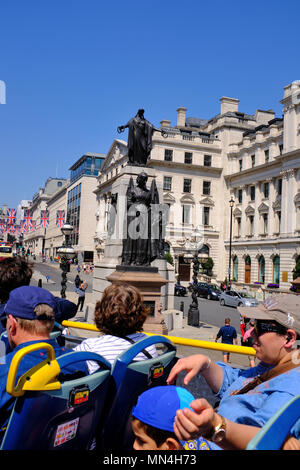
[227, 332]
[257, 406]
[6, 400]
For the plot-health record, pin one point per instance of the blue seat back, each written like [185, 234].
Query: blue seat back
[273, 434]
[129, 379]
[61, 419]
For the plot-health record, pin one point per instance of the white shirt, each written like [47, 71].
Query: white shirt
[110, 347]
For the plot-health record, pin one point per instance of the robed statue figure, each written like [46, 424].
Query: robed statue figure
[139, 138]
[142, 241]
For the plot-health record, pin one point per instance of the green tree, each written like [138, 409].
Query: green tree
[169, 258]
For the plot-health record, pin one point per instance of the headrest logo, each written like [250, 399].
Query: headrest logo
[290, 320]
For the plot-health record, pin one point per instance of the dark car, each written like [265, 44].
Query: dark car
[180, 291]
[209, 291]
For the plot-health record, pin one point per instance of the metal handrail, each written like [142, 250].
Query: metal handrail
[196, 343]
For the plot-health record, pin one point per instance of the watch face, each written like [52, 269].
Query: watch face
[219, 435]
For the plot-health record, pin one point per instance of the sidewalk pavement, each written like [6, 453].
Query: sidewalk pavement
[205, 332]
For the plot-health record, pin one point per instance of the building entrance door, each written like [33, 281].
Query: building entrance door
[184, 269]
[248, 270]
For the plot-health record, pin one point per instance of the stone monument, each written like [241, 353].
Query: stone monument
[134, 248]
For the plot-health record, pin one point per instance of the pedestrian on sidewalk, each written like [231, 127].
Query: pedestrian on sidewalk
[81, 296]
[77, 282]
[227, 333]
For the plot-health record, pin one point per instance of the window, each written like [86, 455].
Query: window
[235, 268]
[266, 156]
[240, 164]
[280, 149]
[188, 158]
[206, 216]
[261, 269]
[206, 188]
[240, 196]
[59, 183]
[167, 183]
[252, 193]
[239, 226]
[186, 212]
[252, 160]
[251, 224]
[187, 185]
[265, 219]
[279, 187]
[168, 155]
[276, 269]
[266, 190]
[207, 160]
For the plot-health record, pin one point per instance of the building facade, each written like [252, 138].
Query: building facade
[200, 164]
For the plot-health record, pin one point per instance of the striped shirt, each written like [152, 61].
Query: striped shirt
[110, 347]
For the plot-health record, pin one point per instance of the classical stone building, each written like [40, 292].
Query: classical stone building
[200, 164]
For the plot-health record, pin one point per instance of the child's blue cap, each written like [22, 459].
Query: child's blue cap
[157, 406]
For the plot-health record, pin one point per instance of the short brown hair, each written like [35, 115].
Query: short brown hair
[120, 311]
[14, 272]
[158, 435]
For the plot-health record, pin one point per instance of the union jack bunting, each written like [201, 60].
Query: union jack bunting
[11, 215]
[44, 218]
[60, 218]
[27, 217]
[2, 226]
[11, 229]
[33, 226]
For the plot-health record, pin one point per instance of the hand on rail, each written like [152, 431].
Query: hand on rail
[192, 364]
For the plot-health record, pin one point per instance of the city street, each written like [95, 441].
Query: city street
[211, 311]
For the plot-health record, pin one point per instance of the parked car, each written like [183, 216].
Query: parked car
[210, 291]
[234, 298]
[180, 291]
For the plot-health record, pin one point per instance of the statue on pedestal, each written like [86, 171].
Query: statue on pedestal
[143, 241]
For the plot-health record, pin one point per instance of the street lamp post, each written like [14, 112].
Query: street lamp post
[193, 313]
[231, 202]
[66, 253]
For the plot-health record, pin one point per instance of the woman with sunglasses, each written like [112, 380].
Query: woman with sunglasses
[248, 398]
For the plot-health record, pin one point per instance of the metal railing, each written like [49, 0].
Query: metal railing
[196, 343]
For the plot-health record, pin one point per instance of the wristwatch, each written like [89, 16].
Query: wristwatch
[218, 432]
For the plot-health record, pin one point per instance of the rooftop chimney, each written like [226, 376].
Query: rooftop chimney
[181, 117]
[229, 104]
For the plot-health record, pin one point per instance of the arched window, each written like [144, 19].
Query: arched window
[235, 268]
[261, 269]
[247, 270]
[276, 269]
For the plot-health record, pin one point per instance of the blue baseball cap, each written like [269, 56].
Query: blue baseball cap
[158, 405]
[23, 300]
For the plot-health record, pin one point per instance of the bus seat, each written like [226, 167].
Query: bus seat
[273, 434]
[52, 414]
[129, 379]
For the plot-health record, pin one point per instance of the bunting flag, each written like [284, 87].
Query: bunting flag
[44, 218]
[33, 226]
[11, 229]
[60, 218]
[11, 215]
[2, 226]
[24, 227]
[28, 217]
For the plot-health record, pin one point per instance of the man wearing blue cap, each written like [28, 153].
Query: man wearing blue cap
[154, 416]
[30, 316]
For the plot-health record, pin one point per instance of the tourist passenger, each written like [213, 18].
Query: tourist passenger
[153, 420]
[16, 272]
[29, 314]
[119, 315]
[248, 398]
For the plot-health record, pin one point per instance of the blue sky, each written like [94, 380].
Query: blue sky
[75, 70]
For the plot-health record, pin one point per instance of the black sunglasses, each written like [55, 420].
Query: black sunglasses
[263, 326]
[3, 320]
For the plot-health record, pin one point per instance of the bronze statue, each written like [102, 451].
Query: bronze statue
[143, 241]
[139, 138]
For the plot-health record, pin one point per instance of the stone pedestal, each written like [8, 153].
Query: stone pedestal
[149, 282]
